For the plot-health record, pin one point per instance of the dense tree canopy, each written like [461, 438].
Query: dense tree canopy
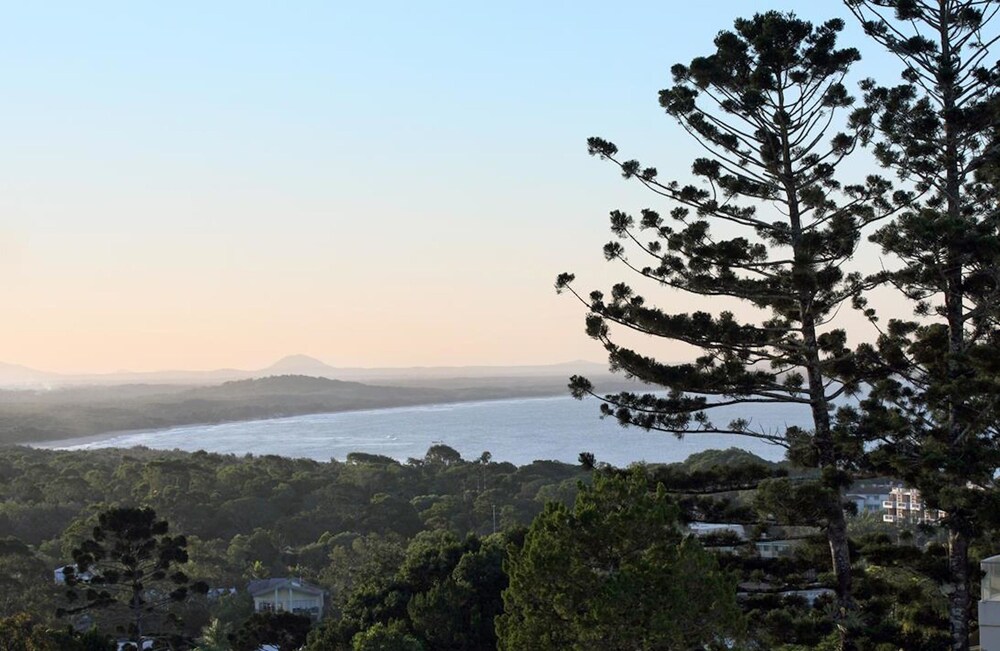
[615, 572]
[442, 587]
[344, 526]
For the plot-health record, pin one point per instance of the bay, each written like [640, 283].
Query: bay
[519, 431]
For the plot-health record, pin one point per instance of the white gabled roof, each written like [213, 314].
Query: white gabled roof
[262, 586]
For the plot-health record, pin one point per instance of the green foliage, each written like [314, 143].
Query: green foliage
[615, 572]
[214, 637]
[714, 460]
[374, 459]
[25, 580]
[386, 637]
[287, 631]
[443, 587]
[444, 594]
[714, 471]
[442, 454]
[343, 526]
[361, 560]
[21, 633]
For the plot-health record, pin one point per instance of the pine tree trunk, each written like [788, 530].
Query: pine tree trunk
[836, 525]
[958, 543]
[836, 533]
[959, 602]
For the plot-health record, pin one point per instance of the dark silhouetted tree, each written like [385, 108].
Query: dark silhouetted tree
[133, 564]
[768, 225]
[937, 411]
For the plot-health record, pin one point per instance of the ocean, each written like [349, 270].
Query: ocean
[519, 431]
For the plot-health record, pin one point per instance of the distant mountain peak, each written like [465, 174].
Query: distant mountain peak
[298, 365]
[17, 375]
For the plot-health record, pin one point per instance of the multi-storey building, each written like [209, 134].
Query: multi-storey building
[905, 506]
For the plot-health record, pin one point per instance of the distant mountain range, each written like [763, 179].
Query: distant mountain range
[13, 376]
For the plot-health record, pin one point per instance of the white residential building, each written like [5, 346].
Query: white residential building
[869, 499]
[287, 595]
[905, 506]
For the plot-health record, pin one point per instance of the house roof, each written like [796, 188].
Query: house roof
[260, 586]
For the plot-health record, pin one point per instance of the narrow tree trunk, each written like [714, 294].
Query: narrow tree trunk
[958, 543]
[836, 525]
[836, 533]
[959, 602]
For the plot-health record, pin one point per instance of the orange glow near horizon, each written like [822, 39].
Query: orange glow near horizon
[210, 185]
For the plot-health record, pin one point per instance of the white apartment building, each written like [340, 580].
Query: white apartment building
[905, 506]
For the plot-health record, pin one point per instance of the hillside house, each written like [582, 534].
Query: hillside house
[737, 536]
[869, 499]
[287, 595]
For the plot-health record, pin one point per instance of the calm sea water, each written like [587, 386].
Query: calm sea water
[519, 431]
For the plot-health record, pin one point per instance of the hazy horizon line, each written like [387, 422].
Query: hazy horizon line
[291, 359]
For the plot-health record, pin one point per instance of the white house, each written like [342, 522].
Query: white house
[61, 572]
[287, 595]
[129, 645]
[870, 499]
[766, 547]
[774, 548]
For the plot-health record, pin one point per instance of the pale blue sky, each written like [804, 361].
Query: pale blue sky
[204, 184]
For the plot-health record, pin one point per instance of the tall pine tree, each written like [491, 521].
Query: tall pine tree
[768, 224]
[131, 564]
[937, 411]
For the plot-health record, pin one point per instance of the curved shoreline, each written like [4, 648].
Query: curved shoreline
[62, 444]
[515, 430]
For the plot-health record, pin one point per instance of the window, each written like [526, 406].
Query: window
[991, 579]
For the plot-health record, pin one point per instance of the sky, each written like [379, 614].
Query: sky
[201, 185]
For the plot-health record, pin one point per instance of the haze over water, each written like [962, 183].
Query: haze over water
[519, 431]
